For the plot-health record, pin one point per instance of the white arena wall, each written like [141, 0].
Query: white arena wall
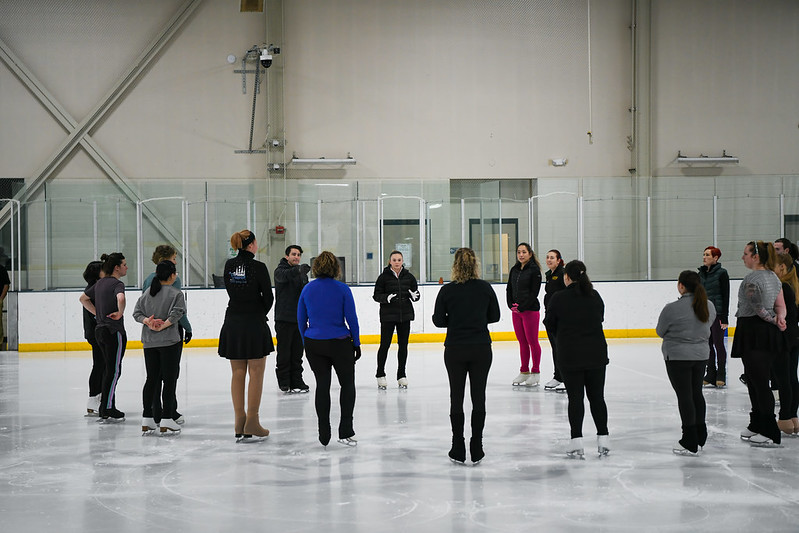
[52, 320]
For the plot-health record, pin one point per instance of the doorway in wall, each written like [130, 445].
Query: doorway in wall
[495, 245]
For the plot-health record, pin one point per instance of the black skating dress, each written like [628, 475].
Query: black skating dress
[245, 333]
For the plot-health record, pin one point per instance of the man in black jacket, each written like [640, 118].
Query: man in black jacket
[290, 278]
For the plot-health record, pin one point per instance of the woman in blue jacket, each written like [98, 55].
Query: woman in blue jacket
[329, 327]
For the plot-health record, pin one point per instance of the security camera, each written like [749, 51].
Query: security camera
[266, 58]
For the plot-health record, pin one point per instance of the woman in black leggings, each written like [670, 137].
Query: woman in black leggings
[685, 326]
[466, 306]
[575, 317]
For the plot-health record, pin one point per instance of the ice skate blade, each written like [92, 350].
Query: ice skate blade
[603, 452]
[91, 415]
[457, 462]
[764, 444]
[110, 420]
[576, 454]
[250, 439]
[166, 432]
[349, 441]
[684, 453]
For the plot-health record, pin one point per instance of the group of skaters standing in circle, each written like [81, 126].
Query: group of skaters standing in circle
[320, 318]
[161, 309]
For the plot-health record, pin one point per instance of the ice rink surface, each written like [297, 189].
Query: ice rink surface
[60, 471]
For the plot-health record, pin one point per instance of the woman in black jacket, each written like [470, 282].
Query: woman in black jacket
[575, 317]
[93, 272]
[554, 275]
[524, 284]
[786, 363]
[245, 338]
[716, 282]
[465, 307]
[395, 289]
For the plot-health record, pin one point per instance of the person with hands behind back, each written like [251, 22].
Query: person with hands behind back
[329, 327]
[106, 301]
[395, 289]
[160, 309]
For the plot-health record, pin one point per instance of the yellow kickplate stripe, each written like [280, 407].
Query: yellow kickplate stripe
[365, 339]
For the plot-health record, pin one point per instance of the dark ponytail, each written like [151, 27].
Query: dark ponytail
[162, 273]
[690, 280]
[111, 261]
[576, 272]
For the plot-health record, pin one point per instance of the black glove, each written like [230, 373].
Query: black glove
[357, 350]
[305, 268]
[186, 337]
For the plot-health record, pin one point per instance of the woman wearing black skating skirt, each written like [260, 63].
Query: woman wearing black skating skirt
[245, 338]
[759, 338]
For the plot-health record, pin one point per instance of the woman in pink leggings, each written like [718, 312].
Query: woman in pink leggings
[524, 283]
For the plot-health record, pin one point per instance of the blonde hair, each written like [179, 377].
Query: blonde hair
[790, 274]
[239, 238]
[326, 266]
[465, 266]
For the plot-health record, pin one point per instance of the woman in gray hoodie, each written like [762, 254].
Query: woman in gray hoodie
[684, 326]
[159, 309]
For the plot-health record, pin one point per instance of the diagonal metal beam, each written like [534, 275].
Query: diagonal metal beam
[79, 131]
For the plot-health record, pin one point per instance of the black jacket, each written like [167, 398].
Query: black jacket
[716, 282]
[400, 308]
[576, 322]
[466, 309]
[289, 281]
[554, 284]
[248, 285]
[523, 287]
[791, 317]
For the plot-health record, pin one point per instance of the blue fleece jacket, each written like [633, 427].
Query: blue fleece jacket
[324, 306]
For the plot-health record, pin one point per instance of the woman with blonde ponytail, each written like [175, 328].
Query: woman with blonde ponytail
[785, 366]
[245, 338]
[684, 326]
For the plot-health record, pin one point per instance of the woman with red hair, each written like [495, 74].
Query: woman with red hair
[716, 282]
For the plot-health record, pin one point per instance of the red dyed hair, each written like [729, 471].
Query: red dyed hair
[715, 252]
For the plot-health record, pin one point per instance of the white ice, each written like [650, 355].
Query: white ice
[60, 471]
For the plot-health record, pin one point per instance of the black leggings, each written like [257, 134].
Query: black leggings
[473, 361]
[162, 364]
[324, 355]
[386, 332]
[686, 380]
[592, 382]
[717, 360]
[784, 373]
[98, 368]
[553, 344]
[757, 366]
[113, 344]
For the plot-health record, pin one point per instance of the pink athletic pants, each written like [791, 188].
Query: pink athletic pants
[525, 325]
